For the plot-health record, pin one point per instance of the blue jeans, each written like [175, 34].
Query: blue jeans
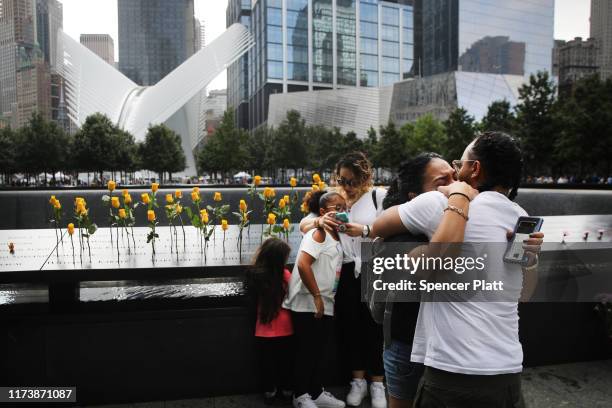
[401, 374]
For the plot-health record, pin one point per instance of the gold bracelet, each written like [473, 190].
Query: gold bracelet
[458, 211]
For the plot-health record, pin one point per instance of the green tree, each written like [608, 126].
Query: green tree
[162, 151]
[536, 125]
[499, 117]
[290, 149]
[8, 154]
[427, 134]
[460, 131]
[319, 140]
[94, 147]
[259, 150]
[43, 147]
[392, 146]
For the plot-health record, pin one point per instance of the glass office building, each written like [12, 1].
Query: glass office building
[303, 45]
[512, 37]
[155, 36]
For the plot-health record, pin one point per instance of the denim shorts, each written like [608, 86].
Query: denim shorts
[401, 374]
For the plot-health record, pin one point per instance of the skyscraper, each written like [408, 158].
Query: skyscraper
[49, 20]
[100, 44]
[155, 36]
[601, 31]
[24, 76]
[317, 44]
[577, 59]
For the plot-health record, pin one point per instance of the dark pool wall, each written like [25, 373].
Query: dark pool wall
[30, 209]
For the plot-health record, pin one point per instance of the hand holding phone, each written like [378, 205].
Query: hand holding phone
[525, 226]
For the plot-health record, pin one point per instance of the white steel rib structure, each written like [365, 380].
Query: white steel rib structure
[92, 86]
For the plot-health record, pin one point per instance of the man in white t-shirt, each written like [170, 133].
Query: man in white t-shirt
[471, 350]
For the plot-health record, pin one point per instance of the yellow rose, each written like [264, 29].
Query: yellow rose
[293, 182]
[125, 192]
[145, 198]
[257, 180]
[52, 200]
[286, 224]
[316, 178]
[178, 194]
[71, 228]
[154, 187]
[287, 199]
[322, 185]
[195, 196]
[304, 208]
[179, 209]
[269, 192]
[151, 215]
[315, 187]
[217, 196]
[127, 199]
[196, 190]
[243, 206]
[80, 208]
[281, 203]
[271, 219]
[122, 213]
[57, 205]
[169, 198]
[111, 186]
[224, 225]
[204, 217]
[115, 202]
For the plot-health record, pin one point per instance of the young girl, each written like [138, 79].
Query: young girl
[273, 328]
[311, 300]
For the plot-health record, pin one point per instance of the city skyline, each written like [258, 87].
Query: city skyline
[571, 20]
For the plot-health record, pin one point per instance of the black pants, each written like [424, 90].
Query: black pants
[442, 389]
[312, 341]
[360, 338]
[276, 362]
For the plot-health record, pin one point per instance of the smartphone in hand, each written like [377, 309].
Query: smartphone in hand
[523, 228]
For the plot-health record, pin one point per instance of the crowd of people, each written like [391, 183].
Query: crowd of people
[425, 354]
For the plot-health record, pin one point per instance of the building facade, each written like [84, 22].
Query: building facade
[601, 31]
[155, 37]
[305, 45]
[512, 37]
[100, 44]
[577, 59]
[25, 80]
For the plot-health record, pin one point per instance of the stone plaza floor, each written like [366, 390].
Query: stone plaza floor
[579, 385]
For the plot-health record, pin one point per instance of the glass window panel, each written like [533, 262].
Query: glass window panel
[275, 3]
[275, 69]
[390, 15]
[369, 62]
[407, 65]
[297, 72]
[368, 12]
[297, 54]
[390, 49]
[407, 51]
[297, 4]
[390, 33]
[369, 30]
[275, 16]
[322, 73]
[347, 60]
[389, 79]
[390, 64]
[407, 18]
[275, 52]
[297, 37]
[369, 46]
[408, 35]
[275, 34]
[369, 78]
[347, 76]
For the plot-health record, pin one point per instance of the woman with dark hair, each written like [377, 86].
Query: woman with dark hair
[268, 282]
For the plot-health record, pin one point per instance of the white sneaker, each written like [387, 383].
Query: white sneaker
[377, 392]
[359, 389]
[327, 400]
[303, 401]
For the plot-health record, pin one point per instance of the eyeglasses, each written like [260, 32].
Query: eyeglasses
[346, 182]
[457, 164]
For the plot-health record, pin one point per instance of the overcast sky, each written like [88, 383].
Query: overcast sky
[100, 17]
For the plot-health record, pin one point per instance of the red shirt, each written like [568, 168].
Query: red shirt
[281, 325]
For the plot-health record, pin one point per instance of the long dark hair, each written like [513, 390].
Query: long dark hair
[409, 179]
[266, 278]
[501, 159]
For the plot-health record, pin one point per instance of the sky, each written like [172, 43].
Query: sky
[100, 17]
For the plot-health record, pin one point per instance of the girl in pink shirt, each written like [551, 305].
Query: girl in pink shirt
[268, 283]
